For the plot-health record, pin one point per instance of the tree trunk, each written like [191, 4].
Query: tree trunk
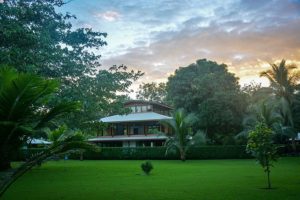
[81, 156]
[268, 175]
[182, 155]
[294, 145]
[4, 160]
[4, 165]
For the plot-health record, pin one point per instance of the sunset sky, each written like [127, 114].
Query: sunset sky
[157, 37]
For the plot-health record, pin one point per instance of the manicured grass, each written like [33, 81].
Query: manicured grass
[202, 179]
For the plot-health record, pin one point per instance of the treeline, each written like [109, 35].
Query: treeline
[224, 110]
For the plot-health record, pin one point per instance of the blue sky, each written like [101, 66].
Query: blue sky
[157, 37]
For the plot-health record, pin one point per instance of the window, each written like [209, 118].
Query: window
[149, 108]
[144, 108]
[138, 109]
[133, 109]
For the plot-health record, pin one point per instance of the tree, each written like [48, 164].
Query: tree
[152, 92]
[182, 139]
[284, 79]
[35, 37]
[261, 146]
[208, 90]
[265, 112]
[24, 111]
[63, 141]
[101, 95]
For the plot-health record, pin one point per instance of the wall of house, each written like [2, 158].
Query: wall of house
[137, 107]
[129, 143]
[136, 128]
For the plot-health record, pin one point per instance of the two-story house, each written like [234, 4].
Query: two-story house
[139, 128]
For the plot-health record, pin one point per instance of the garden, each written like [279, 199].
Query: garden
[224, 140]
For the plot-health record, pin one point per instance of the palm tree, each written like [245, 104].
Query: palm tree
[283, 79]
[265, 112]
[63, 141]
[182, 137]
[24, 111]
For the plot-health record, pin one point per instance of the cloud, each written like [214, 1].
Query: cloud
[158, 37]
[109, 16]
[247, 41]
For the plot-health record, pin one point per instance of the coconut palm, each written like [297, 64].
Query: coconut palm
[182, 137]
[284, 79]
[24, 111]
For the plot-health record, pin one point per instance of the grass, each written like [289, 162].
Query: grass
[120, 180]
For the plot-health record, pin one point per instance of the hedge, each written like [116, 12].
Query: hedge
[159, 153]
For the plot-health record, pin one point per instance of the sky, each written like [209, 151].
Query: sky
[159, 36]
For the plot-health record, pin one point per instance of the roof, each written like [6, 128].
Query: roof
[38, 141]
[128, 138]
[135, 117]
[148, 102]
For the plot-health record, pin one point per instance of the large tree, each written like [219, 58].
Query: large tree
[102, 95]
[208, 90]
[284, 80]
[36, 38]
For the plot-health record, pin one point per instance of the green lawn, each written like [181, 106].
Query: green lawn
[202, 179]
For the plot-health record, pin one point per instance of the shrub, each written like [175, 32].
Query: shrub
[147, 167]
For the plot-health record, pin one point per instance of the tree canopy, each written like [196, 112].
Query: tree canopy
[36, 38]
[152, 92]
[208, 90]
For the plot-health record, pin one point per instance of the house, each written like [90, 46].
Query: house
[140, 128]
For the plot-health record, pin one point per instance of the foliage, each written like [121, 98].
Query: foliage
[255, 93]
[264, 111]
[36, 38]
[208, 90]
[63, 141]
[24, 111]
[147, 167]
[182, 137]
[284, 80]
[261, 146]
[105, 96]
[152, 92]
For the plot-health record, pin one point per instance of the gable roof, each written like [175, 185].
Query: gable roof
[135, 117]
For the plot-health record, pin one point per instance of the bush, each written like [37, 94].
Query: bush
[147, 167]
